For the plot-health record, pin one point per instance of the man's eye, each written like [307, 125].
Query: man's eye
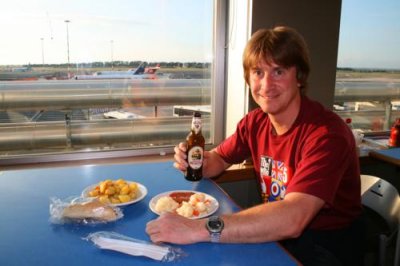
[279, 72]
[257, 72]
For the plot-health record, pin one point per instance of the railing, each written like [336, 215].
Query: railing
[102, 134]
[97, 135]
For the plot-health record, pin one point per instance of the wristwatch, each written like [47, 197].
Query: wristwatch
[214, 226]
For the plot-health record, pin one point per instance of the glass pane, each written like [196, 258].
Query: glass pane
[368, 73]
[82, 76]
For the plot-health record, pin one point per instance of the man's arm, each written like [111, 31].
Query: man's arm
[266, 222]
[213, 164]
[272, 221]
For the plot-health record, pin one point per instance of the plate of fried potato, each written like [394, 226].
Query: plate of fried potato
[116, 192]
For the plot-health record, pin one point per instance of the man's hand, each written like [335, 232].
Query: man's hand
[180, 157]
[173, 228]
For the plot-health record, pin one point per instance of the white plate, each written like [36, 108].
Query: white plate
[213, 206]
[142, 193]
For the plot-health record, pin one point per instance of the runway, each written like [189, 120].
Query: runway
[91, 94]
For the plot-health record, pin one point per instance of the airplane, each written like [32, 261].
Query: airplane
[140, 72]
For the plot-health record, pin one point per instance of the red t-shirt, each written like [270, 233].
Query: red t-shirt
[317, 156]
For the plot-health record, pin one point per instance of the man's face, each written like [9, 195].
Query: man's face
[274, 88]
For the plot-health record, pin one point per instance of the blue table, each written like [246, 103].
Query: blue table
[388, 155]
[28, 238]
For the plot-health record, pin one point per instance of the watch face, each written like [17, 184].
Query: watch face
[215, 224]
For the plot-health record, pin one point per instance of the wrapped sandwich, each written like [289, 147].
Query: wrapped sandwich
[82, 211]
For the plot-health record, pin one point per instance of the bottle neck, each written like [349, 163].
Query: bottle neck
[196, 125]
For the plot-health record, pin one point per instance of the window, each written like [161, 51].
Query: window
[368, 73]
[79, 77]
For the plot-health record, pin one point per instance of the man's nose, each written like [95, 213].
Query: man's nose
[266, 81]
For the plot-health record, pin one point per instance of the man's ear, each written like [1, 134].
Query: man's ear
[299, 75]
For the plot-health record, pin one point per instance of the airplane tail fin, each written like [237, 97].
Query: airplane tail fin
[139, 70]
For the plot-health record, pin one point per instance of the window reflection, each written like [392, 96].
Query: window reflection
[123, 75]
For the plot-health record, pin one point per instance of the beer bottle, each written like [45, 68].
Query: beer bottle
[394, 140]
[195, 150]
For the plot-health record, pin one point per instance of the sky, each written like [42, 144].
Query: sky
[103, 30]
[370, 34]
[167, 30]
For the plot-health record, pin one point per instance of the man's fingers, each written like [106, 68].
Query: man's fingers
[182, 146]
[180, 157]
[179, 167]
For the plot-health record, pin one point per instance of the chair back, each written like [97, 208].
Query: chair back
[382, 197]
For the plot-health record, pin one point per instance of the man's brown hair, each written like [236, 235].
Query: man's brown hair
[281, 45]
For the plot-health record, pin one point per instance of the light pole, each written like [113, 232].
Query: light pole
[41, 39]
[112, 54]
[67, 22]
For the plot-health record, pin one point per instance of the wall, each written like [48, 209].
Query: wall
[318, 21]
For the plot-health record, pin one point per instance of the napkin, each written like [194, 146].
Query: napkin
[134, 247]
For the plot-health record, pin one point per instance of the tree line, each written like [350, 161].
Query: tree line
[131, 64]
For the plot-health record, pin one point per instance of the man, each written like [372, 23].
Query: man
[304, 155]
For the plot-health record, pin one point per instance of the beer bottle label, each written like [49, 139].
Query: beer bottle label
[195, 157]
[196, 124]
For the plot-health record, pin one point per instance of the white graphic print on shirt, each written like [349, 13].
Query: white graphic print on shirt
[274, 179]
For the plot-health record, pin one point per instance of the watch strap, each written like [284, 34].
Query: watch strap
[215, 237]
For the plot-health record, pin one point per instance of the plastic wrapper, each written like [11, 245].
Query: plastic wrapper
[82, 210]
[134, 247]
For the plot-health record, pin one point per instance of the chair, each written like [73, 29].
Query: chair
[383, 198]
